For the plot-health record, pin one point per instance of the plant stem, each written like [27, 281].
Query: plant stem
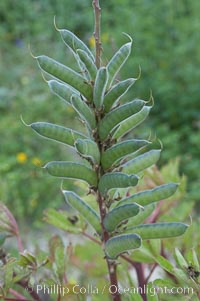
[112, 266]
[97, 32]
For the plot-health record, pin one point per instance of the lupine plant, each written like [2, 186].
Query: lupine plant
[110, 162]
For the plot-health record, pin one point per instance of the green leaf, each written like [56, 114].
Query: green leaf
[59, 219]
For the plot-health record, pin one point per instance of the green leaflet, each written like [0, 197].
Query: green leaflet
[88, 63]
[117, 61]
[65, 74]
[63, 169]
[116, 180]
[120, 214]
[152, 195]
[74, 43]
[113, 96]
[120, 244]
[100, 87]
[84, 111]
[87, 212]
[141, 162]
[131, 122]
[61, 90]
[120, 150]
[117, 115]
[56, 132]
[159, 230]
[88, 149]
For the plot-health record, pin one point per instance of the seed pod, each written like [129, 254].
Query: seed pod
[120, 244]
[74, 43]
[119, 214]
[142, 215]
[141, 162]
[120, 150]
[116, 180]
[114, 117]
[56, 132]
[63, 91]
[100, 87]
[63, 169]
[84, 111]
[113, 96]
[152, 195]
[117, 61]
[88, 63]
[159, 230]
[87, 212]
[88, 149]
[65, 74]
[131, 122]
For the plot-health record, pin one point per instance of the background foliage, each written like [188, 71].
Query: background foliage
[166, 47]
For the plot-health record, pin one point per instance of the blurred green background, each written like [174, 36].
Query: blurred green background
[166, 47]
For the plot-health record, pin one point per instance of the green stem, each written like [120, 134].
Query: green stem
[97, 32]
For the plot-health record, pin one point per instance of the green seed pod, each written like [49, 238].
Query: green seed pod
[87, 212]
[100, 87]
[84, 111]
[74, 43]
[117, 61]
[88, 63]
[63, 91]
[131, 122]
[56, 132]
[116, 180]
[141, 162]
[159, 230]
[113, 96]
[142, 215]
[120, 244]
[152, 195]
[114, 117]
[120, 214]
[71, 170]
[88, 149]
[65, 74]
[120, 150]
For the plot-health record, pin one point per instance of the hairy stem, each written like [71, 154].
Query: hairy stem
[97, 32]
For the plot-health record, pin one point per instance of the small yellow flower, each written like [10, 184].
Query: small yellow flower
[92, 42]
[36, 161]
[21, 157]
[33, 203]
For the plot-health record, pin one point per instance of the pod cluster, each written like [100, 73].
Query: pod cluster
[110, 161]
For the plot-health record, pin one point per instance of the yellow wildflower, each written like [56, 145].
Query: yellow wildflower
[21, 157]
[36, 161]
[92, 42]
[33, 203]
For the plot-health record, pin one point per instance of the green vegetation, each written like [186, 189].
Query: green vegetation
[165, 46]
